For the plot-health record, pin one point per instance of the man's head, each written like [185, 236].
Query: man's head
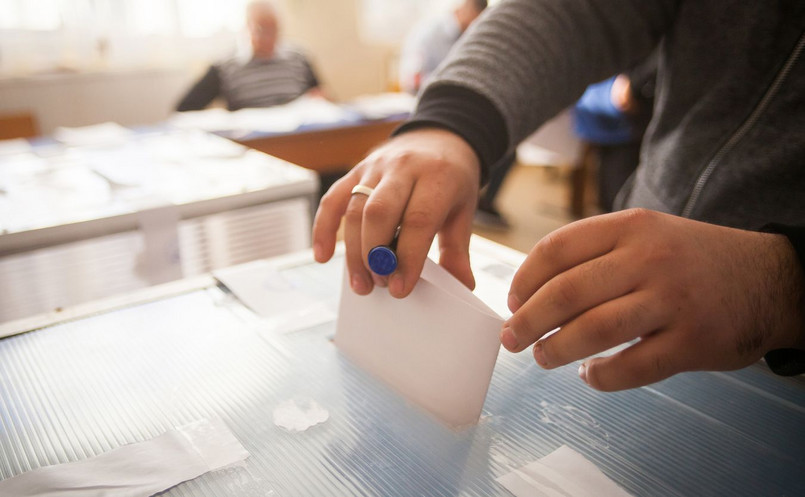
[261, 20]
[468, 10]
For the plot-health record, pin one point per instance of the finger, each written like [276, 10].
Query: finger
[652, 359]
[360, 279]
[564, 248]
[425, 213]
[569, 294]
[601, 328]
[454, 243]
[382, 214]
[332, 207]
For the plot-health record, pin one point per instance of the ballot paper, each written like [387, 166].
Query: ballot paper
[437, 347]
[562, 473]
[284, 304]
[136, 470]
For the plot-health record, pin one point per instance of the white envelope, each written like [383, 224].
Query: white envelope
[437, 347]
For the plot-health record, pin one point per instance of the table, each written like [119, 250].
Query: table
[311, 132]
[326, 149]
[77, 385]
[121, 209]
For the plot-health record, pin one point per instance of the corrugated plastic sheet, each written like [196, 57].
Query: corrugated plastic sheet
[78, 389]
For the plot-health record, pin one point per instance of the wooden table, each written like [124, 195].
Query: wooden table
[326, 149]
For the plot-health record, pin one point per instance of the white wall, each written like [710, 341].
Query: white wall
[126, 97]
[329, 32]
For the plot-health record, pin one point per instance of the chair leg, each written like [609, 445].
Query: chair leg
[578, 181]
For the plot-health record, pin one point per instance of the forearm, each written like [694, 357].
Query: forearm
[202, 93]
[553, 50]
[467, 114]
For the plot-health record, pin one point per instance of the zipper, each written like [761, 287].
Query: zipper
[744, 128]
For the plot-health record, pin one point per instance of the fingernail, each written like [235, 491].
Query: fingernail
[508, 339]
[317, 249]
[583, 372]
[539, 354]
[396, 285]
[359, 284]
[513, 303]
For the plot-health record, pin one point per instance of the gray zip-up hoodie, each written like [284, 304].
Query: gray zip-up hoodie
[727, 144]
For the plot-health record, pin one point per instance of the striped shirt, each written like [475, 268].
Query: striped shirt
[254, 83]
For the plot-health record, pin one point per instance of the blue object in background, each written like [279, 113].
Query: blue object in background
[597, 120]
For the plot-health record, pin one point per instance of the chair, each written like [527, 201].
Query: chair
[554, 144]
[18, 125]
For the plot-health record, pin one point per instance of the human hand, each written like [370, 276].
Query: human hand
[621, 95]
[425, 181]
[696, 296]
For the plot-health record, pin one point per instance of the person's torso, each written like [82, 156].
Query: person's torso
[265, 82]
[727, 145]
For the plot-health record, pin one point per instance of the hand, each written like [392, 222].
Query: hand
[425, 181]
[695, 296]
[621, 95]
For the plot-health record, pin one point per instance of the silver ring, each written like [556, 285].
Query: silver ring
[363, 190]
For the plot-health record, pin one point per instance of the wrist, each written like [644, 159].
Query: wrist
[467, 114]
[790, 276]
[791, 243]
[441, 140]
[785, 354]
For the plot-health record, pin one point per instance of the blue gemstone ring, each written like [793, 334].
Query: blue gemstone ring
[382, 260]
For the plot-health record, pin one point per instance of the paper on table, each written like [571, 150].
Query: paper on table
[562, 473]
[136, 470]
[278, 119]
[269, 293]
[15, 146]
[437, 346]
[384, 105]
[97, 134]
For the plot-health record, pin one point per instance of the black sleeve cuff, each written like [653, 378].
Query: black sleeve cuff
[466, 113]
[788, 362]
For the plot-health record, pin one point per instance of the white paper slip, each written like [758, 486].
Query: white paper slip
[437, 346]
[108, 133]
[161, 259]
[562, 473]
[135, 470]
[15, 146]
[285, 305]
[379, 106]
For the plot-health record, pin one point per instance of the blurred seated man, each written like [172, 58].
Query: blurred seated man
[274, 74]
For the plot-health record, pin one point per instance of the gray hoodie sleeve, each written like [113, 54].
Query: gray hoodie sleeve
[532, 58]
